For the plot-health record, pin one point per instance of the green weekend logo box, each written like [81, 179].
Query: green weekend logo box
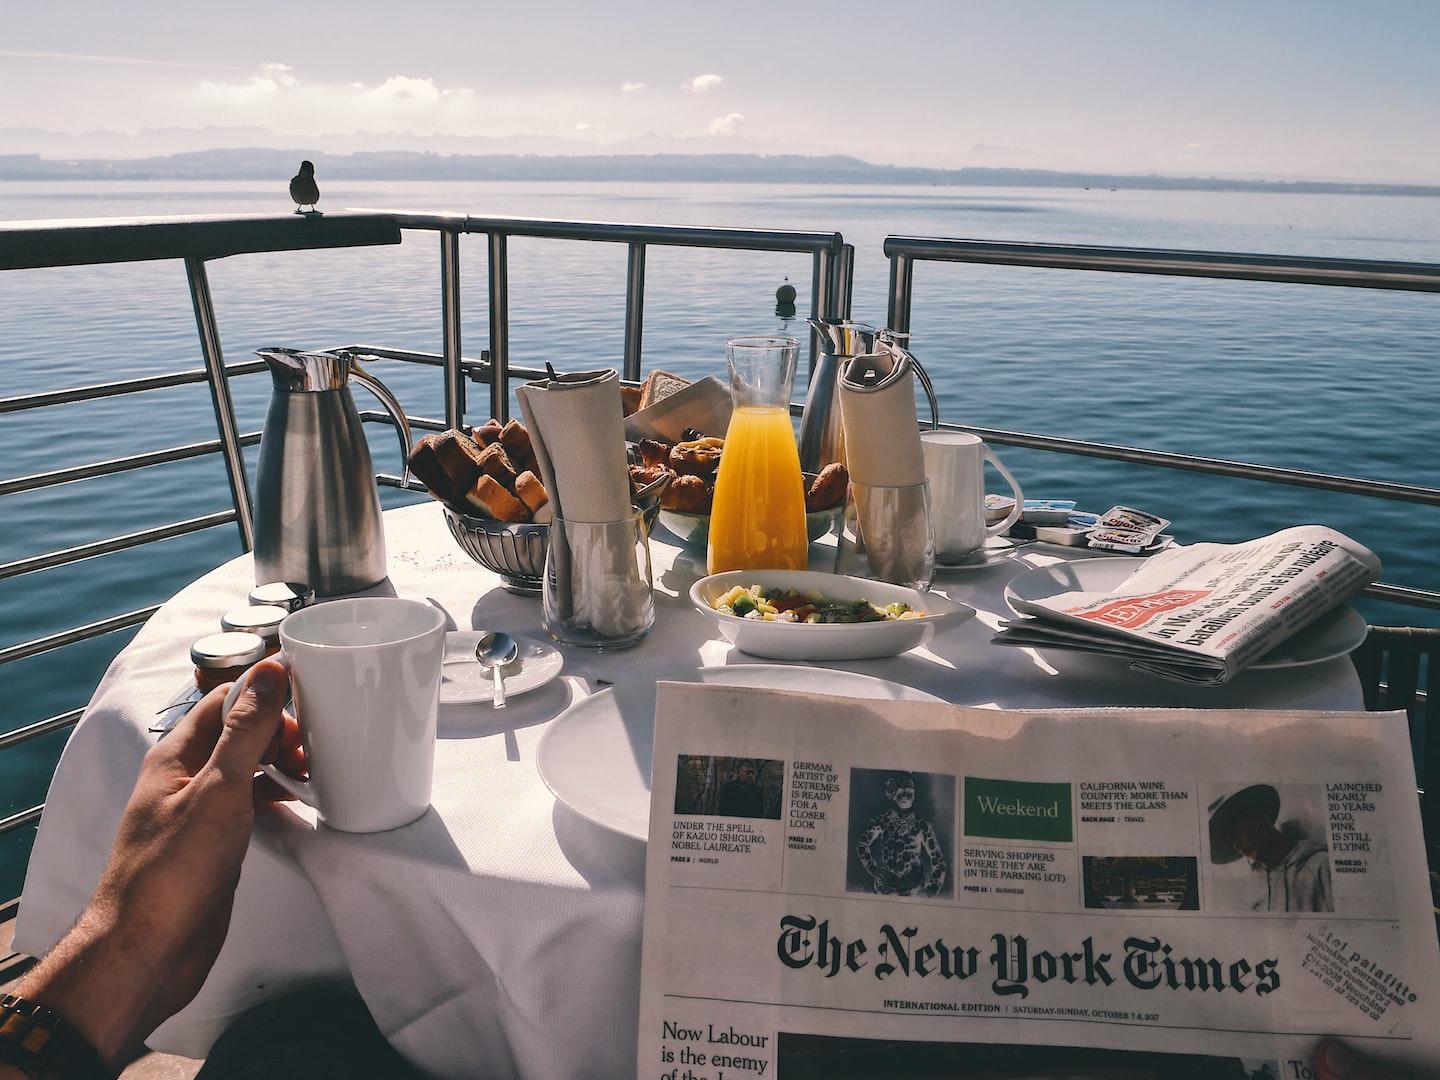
[1018, 810]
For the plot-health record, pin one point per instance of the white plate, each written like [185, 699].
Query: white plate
[1335, 634]
[462, 682]
[595, 756]
[829, 641]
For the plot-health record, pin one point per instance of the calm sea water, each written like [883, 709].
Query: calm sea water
[1329, 379]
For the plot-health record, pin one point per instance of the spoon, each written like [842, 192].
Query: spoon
[495, 652]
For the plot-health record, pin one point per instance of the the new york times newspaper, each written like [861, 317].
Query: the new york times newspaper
[842, 888]
[1203, 613]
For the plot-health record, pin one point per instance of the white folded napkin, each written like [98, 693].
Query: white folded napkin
[577, 427]
[877, 410]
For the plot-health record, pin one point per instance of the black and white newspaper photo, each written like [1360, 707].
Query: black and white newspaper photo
[944, 891]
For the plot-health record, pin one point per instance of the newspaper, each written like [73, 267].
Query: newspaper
[842, 888]
[1202, 614]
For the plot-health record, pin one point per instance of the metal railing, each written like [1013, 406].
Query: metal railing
[905, 251]
[197, 240]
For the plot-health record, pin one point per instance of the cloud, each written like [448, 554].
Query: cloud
[631, 87]
[585, 126]
[700, 83]
[90, 58]
[728, 124]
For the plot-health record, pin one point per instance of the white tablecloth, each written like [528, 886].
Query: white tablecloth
[499, 934]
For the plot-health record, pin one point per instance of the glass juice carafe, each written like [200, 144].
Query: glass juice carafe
[758, 520]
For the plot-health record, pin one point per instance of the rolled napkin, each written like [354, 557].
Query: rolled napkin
[882, 449]
[577, 430]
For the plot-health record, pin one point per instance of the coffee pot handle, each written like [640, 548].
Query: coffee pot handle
[392, 406]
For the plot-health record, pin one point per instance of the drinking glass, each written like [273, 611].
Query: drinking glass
[598, 578]
[888, 533]
[758, 520]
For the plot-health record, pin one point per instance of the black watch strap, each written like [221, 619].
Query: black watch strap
[43, 1046]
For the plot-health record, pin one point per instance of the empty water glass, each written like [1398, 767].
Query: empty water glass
[597, 588]
[889, 534]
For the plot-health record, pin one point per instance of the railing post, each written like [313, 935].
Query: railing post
[634, 309]
[901, 284]
[821, 295]
[450, 326]
[844, 281]
[220, 397]
[499, 329]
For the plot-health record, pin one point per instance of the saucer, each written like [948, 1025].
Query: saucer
[993, 552]
[462, 682]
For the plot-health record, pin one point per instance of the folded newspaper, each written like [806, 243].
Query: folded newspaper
[1202, 614]
[846, 889]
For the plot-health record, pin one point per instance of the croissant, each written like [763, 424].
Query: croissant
[828, 489]
[699, 457]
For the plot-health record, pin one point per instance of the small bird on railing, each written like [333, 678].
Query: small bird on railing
[303, 188]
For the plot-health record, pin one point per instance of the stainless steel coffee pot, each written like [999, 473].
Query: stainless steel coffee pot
[317, 510]
[822, 439]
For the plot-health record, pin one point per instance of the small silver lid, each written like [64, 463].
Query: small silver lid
[291, 595]
[262, 620]
[227, 650]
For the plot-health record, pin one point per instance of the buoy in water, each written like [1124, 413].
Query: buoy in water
[785, 294]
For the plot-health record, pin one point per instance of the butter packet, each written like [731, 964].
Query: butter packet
[1126, 540]
[1047, 511]
[998, 507]
[1128, 519]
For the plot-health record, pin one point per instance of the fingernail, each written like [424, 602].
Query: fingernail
[1337, 1057]
[266, 680]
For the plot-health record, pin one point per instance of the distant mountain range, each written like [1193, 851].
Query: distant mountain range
[273, 164]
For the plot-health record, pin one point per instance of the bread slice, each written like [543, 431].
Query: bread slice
[494, 462]
[459, 457]
[425, 466]
[660, 385]
[516, 441]
[491, 500]
[487, 432]
[531, 491]
[630, 398]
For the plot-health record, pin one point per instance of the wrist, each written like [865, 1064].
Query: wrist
[100, 983]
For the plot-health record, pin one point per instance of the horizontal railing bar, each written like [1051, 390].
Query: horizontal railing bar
[26, 245]
[35, 647]
[1299, 270]
[616, 232]
[424, 423]
[80, 552]
[114, 389]
[40, 727]
[36, 481]
[391, 480]
[20, 820]
[415, 356]
[1350, 485]
[1403, 594]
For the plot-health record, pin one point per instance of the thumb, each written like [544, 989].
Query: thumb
[251, 724]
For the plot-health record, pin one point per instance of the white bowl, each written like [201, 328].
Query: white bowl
[827, 641]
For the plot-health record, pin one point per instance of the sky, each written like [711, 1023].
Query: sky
[1282, 88]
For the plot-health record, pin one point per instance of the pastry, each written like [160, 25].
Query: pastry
[653, 452]
[643, 475]
[828, 489]
[491, 500]
[699, 457]
[689, 495]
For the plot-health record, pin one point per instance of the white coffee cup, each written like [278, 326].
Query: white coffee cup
[366, 679]
[955, 468]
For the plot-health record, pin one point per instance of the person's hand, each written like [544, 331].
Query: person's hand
[142, 949]
[1333, 1060]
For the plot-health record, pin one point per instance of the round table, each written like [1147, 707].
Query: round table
[500, 932]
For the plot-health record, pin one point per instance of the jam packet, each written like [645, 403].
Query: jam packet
[1123, 528]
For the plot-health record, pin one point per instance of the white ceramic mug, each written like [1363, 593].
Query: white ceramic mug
[366, 680]
[955, 468]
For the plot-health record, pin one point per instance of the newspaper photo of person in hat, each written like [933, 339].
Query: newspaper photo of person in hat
[1296, 866]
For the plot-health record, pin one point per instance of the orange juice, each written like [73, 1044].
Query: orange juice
[758, 521]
